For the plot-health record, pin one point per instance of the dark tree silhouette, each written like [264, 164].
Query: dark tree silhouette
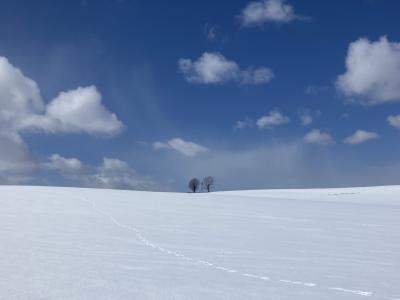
[194, 184]
[208, 183]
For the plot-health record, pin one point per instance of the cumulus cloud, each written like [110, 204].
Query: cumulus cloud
[372, 71]
[15, 162]
[62, 164]
[360, 136]
[19, 96]
[79, 110]
[274, 118]
[115, 173]
[315, 136]
[257, 13]
[75, 111]
[23, 109]
[394, 121]
[112, 173]
[185, 148]
[214, 68]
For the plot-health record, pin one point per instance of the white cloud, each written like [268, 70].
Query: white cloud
[15, 163]
[62, 164]
[214, 68]
[112, 173]
[209, 68]
[75, 111]
[315, 136]
[19, 96]
[257, 13]
[360, 136]
[306, 119]
[23, 109]
[274, 118]
[79, 110]
[185, 148]
[307, 116]
[256, 76]
[373, 71]
[115, 173]
[114, 165]
[246, 123]
[394, 121]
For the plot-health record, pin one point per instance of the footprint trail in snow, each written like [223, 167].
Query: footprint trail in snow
[227, 270]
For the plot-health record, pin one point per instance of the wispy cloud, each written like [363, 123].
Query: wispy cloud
[316, 89]
[210, 32]
[307, 116]
[185, 148]
[246, 123]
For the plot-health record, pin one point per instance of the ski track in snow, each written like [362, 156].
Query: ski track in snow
[154, 246]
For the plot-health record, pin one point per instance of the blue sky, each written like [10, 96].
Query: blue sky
[146, 95]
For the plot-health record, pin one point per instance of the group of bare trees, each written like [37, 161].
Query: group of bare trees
[206, 185]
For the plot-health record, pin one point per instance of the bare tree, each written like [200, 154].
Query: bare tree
[194, 184]
[208, 183]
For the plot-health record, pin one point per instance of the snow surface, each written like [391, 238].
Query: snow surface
[70, 243]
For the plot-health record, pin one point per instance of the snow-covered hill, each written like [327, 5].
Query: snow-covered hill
[69, 243]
